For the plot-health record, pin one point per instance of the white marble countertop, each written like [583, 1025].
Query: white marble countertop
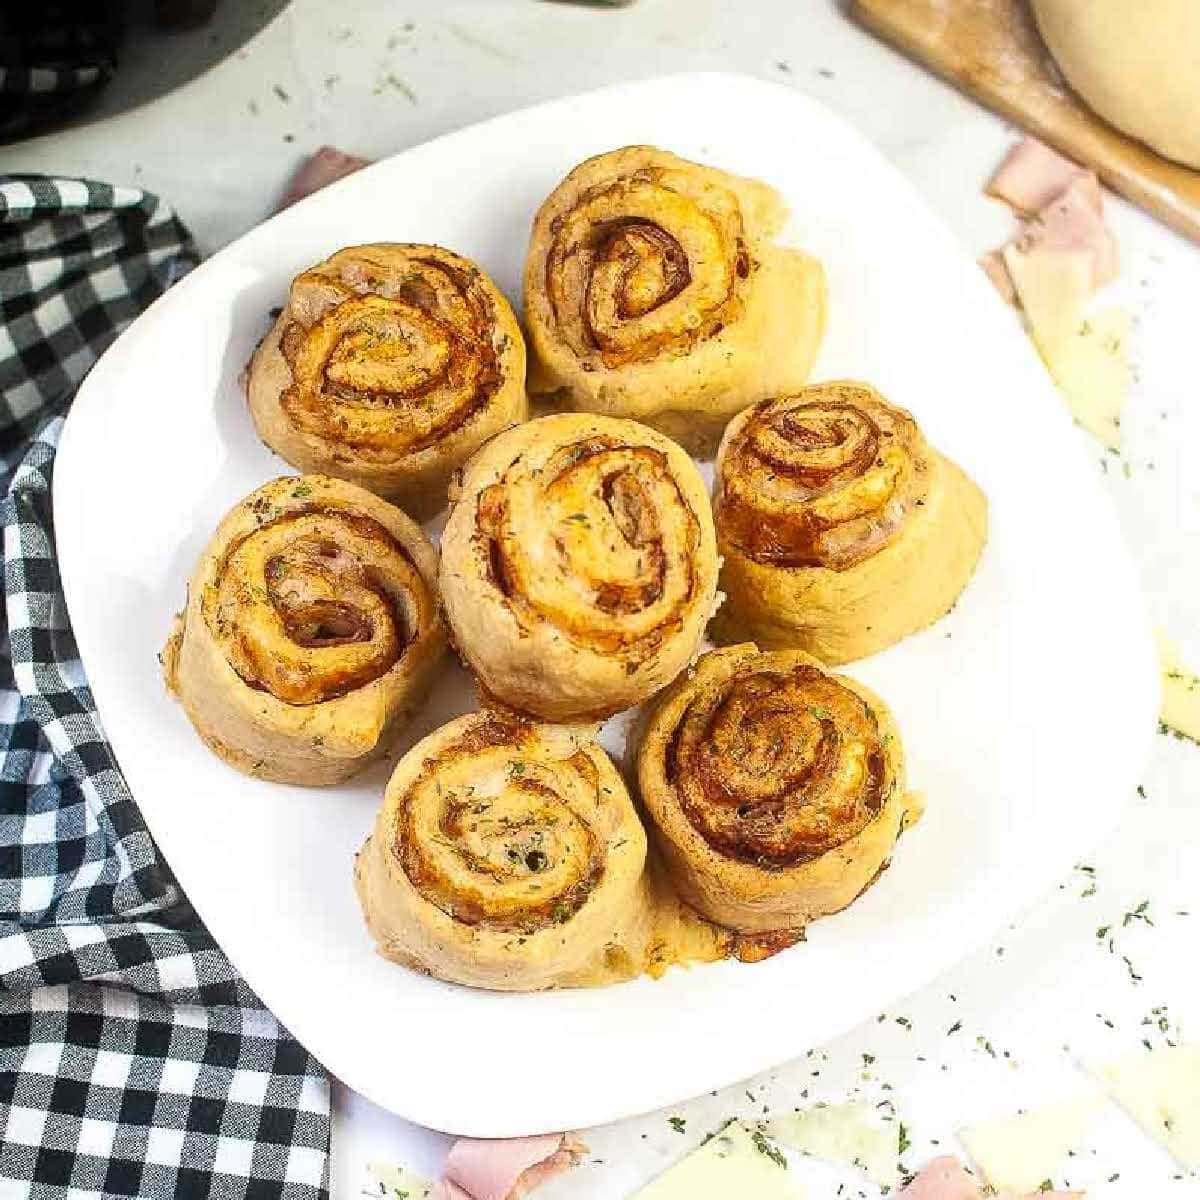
[1007, 1028]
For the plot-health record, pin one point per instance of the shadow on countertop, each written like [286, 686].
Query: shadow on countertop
[66, 63]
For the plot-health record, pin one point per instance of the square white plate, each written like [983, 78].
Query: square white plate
[1026, 712]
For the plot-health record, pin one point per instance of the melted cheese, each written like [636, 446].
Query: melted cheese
[1091, 369]
[844, 1133]
[1021, 1152]
[1180, 692]
[1160, 1090]
[729, 1166]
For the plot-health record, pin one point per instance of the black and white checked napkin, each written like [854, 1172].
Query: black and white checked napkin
[133, 1059]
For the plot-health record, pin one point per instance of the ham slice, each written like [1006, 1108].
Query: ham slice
[946, 1179]
[1072, 222]
[505, 1169]
[942, 1179]
[1064, 210]
[1032, 175]
[319, 170]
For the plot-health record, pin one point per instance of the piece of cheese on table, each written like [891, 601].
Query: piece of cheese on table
[395, 1183]
[1160, 1090]
[1091, 369]
[1019, 1153]
[734, 1164]
[1053, 287]
[1180, 692]
[854, 1134]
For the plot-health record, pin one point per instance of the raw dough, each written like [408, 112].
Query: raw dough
[1137, 65]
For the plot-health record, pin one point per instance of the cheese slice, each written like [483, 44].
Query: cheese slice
[1091, 369]
[395, 1183]
[1160, 1090]
[844, 1133]
[1180, 692]
[1053, 287]
[1019, 1153]
[733, 1164]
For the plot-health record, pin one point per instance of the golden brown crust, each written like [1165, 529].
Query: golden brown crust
[653, 290]
[506, 855]
[776, 789]
[390, 365]
[311, 631]
[578, 565]
[840, 528]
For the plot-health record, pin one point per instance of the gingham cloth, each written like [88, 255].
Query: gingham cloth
[55, 55]
[133, 1060]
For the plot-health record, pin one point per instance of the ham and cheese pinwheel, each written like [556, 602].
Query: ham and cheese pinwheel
[841, 530]
[311, 631]
[507, 855]
[578, 565]
[776, 789]
[389, 366]
[654, 290]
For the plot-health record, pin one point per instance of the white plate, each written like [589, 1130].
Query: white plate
[1026, 713]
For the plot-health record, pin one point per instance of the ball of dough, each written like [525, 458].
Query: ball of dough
[1137, 65]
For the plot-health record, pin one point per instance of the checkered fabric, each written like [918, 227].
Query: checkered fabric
[55, 55]
[133, 1059]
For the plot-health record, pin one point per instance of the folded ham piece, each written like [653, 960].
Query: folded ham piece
[1072, 223]
[1061, 254]
[319, 170]
[1032, 175]
[942, 1179]
[1064, 210]
[946, 1179]
[505, 1169]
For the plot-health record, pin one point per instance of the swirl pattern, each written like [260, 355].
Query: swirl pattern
[506, 854]
[778, 767]
[387, 361]
[316, 604]
[495, 831]
[654, 290]
[776, 788]
[822, 479]
[645, 264]
[311, 630]
[590, 543]
[600, 542]
[841, 529]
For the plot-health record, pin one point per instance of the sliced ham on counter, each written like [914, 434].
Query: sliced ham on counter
[1062, 253]
[319, 170]
[1064, 210]
[1072, 222]
[505, 1169]
[1032, 175]
[946, 1179]
[942, 1179]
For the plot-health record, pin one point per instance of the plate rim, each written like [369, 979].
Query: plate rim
[67, 454]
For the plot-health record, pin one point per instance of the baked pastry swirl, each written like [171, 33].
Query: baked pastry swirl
[310, 633]
[653, 290]
[775, 789]
[506, 855]
[389, 366]
[841, 530]
[578, 565]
